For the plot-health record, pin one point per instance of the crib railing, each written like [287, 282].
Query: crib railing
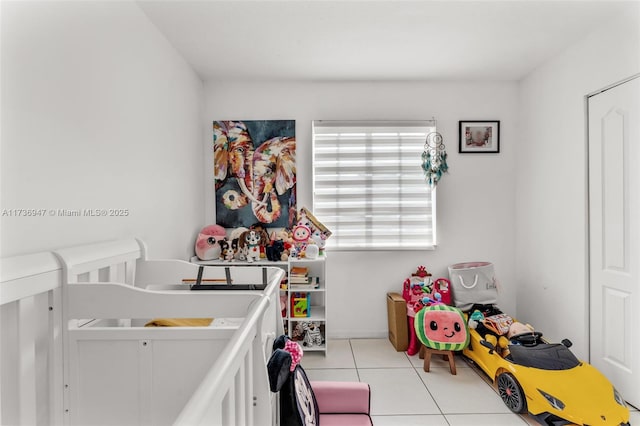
[235, 391]
[30, 343]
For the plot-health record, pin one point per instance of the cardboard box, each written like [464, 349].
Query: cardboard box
[398, 323]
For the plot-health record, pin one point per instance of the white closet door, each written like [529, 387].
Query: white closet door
[614, 234]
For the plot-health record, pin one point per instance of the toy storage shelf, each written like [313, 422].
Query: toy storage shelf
[281, 264]
[317, 293]
[316, 301]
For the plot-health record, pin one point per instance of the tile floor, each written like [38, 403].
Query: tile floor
[403, 394]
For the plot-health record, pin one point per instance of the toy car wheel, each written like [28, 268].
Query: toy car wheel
[511, 393]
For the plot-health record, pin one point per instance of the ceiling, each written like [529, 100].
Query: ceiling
[373, 40]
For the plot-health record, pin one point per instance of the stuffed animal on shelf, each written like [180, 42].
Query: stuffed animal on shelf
[312, 335]
[258, 227]
[229, 255]
[234, 237]
[224, 249]
[285, 236]
[298, 332]
[301, 235]
[252, 240]
[237, 232]
[206, 242]
[275, 249]
[237, 252]
[320, 239]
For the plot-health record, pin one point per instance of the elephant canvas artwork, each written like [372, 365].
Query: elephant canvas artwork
[255, 172]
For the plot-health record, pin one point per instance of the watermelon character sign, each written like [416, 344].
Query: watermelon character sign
[442, 327]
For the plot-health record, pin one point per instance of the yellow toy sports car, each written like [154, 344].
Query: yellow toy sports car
[546, 380]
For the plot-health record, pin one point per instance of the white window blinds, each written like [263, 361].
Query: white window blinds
[369, 188]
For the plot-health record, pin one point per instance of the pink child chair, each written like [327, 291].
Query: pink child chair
[304, 403]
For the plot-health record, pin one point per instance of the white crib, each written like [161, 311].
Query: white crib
[103, 367]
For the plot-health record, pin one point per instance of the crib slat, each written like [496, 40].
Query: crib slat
[56, 361]
[8, 362]
[112, 275]
[248, 380]
[228, 405]
[129, 271]
[240, 394]
[27, 338]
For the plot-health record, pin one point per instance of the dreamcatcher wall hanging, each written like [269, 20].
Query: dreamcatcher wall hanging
[434, 158]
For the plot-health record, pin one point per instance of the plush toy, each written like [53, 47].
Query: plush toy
[251, 241]
[518, 328]
[298, 331]
[320, 239]
[224, 249]
[206, 243]
[285, 236]
[442, 327]
[298, 404]
[475, 318]
[229, 255]
[259, 228]
[312, 335]
[301, 234]
[237, 252]
[275, 249]
[237, 232]
[234, 237]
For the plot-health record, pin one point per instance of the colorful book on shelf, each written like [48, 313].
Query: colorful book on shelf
[299, 270]
[300, 307]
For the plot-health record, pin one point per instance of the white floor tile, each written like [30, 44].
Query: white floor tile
[430, 420]
[377, 353]
[332, 374]
[484, 420]
[466, 392]
[437, 361]
[339, 355]
[397, 391]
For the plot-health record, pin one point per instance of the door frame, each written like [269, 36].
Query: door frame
[588, 201]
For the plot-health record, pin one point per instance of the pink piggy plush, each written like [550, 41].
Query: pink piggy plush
[207, 247]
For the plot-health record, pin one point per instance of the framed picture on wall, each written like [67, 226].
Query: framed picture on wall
[478, 137]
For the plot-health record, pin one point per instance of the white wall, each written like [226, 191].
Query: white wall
[551, 177]
[476, 200]
[98, 111]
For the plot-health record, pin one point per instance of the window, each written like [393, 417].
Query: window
[369, 187]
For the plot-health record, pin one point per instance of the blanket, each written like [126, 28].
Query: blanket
[179, 322]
